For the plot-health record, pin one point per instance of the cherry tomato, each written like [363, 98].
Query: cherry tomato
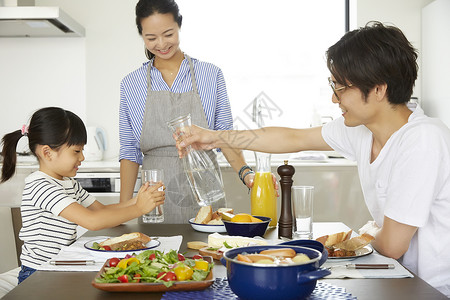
[137, 277]
[167, 276]
[181, 257]
[152, 256]
[123, 278]
[197, 256]
[107, 248]
[113, 262]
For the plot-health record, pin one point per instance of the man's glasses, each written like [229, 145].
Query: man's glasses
[335, 90]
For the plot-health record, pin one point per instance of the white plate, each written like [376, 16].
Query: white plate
[149, 245]
[206, 227]
[360, 252]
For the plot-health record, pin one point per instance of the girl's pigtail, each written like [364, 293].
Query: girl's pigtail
[9, 154]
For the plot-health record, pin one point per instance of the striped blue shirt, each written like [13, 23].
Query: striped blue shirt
[133, 95]
[43, 231]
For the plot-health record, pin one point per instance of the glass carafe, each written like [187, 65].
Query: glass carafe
[263, 196]
[204, 180]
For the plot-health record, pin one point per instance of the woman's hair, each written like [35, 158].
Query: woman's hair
[375, 54]
[146, 8]
[52, 126]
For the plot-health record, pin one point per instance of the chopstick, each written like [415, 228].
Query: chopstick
[72, 262]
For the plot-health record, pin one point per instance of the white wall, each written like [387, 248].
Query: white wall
[436, 60]
[83, 74]
[405, 14]
[79, 74]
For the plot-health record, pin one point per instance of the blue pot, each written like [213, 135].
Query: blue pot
[272, 282]
[310, 244]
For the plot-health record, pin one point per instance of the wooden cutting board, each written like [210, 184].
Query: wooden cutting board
[213, 253]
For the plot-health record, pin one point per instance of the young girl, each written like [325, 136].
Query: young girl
[53, 203]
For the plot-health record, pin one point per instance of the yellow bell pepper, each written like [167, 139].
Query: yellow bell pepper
[126, 262]
[201, 265]
[183, 272]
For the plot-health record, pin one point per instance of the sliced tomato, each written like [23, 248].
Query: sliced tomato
[167, 276]
[181, 257]
[137, 277]
[107, 248]
[123, 278]
[113, 262]
[197, 256]
[152, 256]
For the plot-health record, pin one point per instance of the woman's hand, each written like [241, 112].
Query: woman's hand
[250, 179]
[149, 197]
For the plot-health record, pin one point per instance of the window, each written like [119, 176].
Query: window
[273, 51]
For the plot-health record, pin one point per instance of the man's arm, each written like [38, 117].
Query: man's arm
[394, 238]
[268, 139]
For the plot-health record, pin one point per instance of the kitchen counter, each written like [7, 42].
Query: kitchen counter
[77, 285]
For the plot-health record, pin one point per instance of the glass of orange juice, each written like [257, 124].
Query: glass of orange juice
[263, 195]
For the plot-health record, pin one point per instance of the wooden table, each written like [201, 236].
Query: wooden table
[77, 285]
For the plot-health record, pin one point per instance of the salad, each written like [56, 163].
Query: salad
[156, 267]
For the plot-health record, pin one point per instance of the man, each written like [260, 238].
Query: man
[403, 156]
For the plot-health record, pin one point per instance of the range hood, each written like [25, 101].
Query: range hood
[37, 21]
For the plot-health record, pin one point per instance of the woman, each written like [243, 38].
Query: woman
[169, 85]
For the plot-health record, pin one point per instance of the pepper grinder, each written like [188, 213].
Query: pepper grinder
[285, 223]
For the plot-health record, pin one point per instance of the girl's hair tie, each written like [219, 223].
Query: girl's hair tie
[24, 130]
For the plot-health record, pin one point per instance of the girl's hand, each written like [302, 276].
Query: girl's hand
[149, 197]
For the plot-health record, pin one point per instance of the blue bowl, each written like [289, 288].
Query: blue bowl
[273, 282]
[248, 229]
[310, 244]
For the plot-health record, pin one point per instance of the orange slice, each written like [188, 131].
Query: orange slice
[244, 218]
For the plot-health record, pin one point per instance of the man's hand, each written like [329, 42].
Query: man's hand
[199, 139]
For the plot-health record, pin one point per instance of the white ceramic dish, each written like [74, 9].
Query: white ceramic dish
[150, 245]
[360, 252]
[207, 228]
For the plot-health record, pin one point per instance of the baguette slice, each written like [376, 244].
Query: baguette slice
[225, 210]
[332, 239]
[355, 243]
[204, 215]
[196, 245]
[134, 238]
[215, 222]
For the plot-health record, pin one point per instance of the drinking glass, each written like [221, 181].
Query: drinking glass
[302, 210]
[153, 176]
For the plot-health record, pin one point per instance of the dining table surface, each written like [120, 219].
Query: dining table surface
[78, 285]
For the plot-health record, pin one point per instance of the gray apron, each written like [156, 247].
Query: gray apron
[158, 146]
